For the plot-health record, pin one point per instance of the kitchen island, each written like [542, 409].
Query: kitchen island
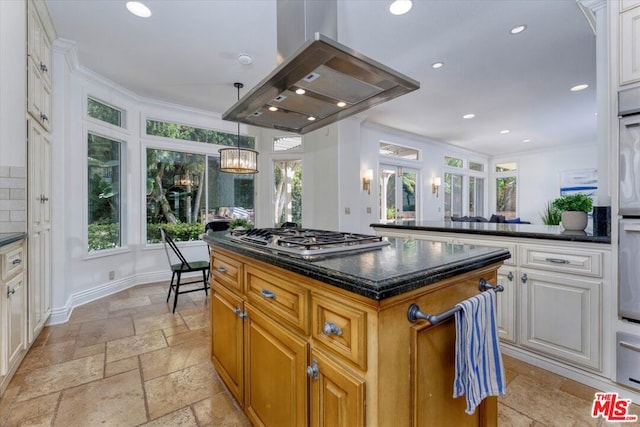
[328, 342]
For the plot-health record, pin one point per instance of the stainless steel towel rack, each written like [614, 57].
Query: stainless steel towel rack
[414, 314]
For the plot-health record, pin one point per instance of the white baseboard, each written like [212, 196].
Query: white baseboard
[62, 314]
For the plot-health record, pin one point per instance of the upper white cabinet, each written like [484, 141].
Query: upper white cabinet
[630, 42]
[38, 69]
[39, 44]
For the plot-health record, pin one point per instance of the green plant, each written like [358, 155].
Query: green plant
[573, 202]
[551, 215]
[240, 222]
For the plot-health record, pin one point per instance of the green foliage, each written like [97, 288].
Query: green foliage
[391, 213]
[190, 133]
[240, 222]
[104, 112]
[573, 202]
[551, 215]
[179, 231]
[103, 236]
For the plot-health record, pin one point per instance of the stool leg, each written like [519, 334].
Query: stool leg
[177, 291]
[171, 285]
[206, 283]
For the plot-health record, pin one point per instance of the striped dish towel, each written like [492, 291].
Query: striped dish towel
[479, 369]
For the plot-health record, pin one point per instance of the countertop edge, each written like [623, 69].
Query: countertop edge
[8, 238]
[500, 233]
[383, 289]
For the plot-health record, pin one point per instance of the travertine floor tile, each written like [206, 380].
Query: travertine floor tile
[577, 389]
[92, 311]
[157, 322]
[132, 302]
[48, 355]
[121, 366]
[89, 351]
[149, 290]
[95, 332]
[195, 318]
[135, 345]
[172, 359]
[511, 418]
[54, 378]
[181, 417]
[35, 412]
[196, 336]
[115, 401]
[173, 391]
[218, 410]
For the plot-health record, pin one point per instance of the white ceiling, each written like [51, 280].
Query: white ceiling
[186, 53]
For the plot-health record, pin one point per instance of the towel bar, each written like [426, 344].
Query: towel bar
[414, 313]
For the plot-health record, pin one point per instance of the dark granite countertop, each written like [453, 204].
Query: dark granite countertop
[532, 231]
[392, 270]
[7, 238]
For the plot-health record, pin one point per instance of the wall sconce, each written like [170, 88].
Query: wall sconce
[436, 182]
[366, 180]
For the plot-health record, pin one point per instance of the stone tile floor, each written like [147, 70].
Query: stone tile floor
[126, 360]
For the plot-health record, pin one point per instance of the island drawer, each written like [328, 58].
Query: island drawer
[227, 272]
[11, 260]
[583, 262]
[278, 296]
[340, 328]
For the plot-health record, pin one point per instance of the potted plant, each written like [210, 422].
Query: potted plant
[551, 215]
[239, 224]
[574, 208]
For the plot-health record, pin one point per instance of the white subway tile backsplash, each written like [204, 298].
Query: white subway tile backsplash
[5, 171]
[13, 201]
[4, 216]
[5, 194]
[17, 172]
[17, 194]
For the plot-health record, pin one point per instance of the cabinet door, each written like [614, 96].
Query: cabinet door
[337, 396]
[629, 46]
[14, 291]
[560, 315]
[275, 374]
[227, 338]
[38, 95]
[506, 301]
[39, 227]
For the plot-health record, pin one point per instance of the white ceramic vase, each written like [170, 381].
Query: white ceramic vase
[574, 220]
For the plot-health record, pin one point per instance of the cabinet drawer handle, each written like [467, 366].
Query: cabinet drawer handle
[330, 328]
[267, 294]
[629, 346]
[524, 278]
[313, 371]
[238, 312]
[43, 68]
[510, 276]
[16, 261]
[10, 292]
[557, 260]
[221, 269]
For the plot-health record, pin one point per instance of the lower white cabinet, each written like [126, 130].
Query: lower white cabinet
[13, 310]
[506, 301]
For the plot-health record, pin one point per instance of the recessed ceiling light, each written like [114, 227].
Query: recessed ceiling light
[400, 7]
[341, 104]
[311, 118]
[244, 59]
[437, 65]
[526, 140]
[505, 131]
[300, 91]
[469, 116]
[578, 88]
[518, 29]
[138, 9]
[272, 108]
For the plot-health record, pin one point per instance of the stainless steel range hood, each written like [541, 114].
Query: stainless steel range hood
[331, 75]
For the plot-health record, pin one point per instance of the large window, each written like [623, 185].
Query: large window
[287, 176]
[104, 188]
[398, 196]
[507, 189]
[464, 188]
[191, 133]
[103, 112]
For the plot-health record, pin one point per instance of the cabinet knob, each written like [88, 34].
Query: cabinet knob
[510, 276]
[16, 261]
[524, 278]
[221, 269]
[267, 294]
[313, 371]
[44, 117]
[10, 291]
[330, 328]
[43, 68]
[238, 312]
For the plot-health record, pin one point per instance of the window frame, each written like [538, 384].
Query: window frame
[506, 174]
[401, 164]
[94, 121]
[466, 173]
[287, 156]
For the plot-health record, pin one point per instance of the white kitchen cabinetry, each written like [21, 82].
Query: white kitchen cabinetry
[38, 69]
[13, 309]
[630, 42]
[506, 301]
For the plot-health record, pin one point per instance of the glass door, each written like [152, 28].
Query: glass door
[398, 195]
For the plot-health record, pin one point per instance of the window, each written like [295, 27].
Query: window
[464, 188]
[104, 201]
[288, 191]
[190, 133]
[287, 143]
[506, 189]
[397, 151]
[106, 113]
[398, 199]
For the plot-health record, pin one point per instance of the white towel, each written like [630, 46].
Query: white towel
[479, 369]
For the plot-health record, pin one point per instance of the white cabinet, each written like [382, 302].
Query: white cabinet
[507, 277]
[38, 69]
[39, 208]
[13, 309]
[38, 95]
[630, 43]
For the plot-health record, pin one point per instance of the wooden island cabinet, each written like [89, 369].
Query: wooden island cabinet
[296, 346]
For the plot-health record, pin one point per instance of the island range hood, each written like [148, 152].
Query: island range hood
[321, 82]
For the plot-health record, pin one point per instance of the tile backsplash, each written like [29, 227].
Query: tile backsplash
[13, 199]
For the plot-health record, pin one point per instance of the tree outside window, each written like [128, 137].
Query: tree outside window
[288, 191]
[506, 189]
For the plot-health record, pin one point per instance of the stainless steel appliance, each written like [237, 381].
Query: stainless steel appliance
[308, 244]
[629, 205]
[628, 345]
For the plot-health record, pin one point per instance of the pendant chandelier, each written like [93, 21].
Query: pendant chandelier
[238, 160]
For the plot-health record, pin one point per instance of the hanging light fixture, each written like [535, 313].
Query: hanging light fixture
[238, 160]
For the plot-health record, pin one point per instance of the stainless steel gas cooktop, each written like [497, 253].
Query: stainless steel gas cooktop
[308, 244]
